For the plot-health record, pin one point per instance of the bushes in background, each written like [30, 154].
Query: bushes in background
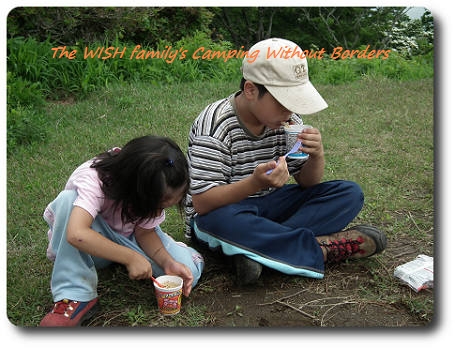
[35, 76]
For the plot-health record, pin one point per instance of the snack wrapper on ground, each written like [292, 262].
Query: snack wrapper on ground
[418, 274]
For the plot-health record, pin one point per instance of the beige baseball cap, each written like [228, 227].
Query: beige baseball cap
[282, 68]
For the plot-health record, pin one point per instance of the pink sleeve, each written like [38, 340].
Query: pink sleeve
[88, 186]
[152, 223]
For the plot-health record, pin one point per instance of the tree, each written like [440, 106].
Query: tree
[321, 27]
[243, 26]
[310, 27]
[143, 25]
[411, 37]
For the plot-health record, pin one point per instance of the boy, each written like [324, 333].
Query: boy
[239, 198]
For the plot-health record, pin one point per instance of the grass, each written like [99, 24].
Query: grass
[376, 132]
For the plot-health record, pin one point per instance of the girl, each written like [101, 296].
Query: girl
[110, 211]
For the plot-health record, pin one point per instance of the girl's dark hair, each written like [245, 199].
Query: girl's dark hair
[261, 88]
[136, 177]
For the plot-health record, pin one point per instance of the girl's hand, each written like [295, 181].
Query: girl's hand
[139, 267]
[179, 269]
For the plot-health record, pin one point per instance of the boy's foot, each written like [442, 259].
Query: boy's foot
[70, 313]
[247, 271]
[354, 243]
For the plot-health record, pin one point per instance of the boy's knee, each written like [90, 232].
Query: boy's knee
[355, 192]
[355, 188]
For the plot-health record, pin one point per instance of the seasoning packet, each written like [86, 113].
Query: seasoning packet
[418, 273]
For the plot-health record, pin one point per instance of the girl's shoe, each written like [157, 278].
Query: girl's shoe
[70, 313]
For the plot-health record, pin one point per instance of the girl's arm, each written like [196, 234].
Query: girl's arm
[150, 242]
[81, 236]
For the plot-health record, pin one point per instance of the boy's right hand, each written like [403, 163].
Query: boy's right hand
[277, 178]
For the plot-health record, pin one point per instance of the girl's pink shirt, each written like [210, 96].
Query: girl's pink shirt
[91, 198]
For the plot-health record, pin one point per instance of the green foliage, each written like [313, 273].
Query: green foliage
[71, 25]
[328, 27]
[329, 71]
[25, 122]
[23, 92]
[32, 61]
[56, 77]
[25, 126]
[38, 71]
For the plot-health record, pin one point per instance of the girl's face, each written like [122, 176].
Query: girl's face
[172, 196]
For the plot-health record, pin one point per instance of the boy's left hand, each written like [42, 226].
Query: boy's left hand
[311, 142]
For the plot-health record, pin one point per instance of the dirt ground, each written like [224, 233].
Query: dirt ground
[359, 294]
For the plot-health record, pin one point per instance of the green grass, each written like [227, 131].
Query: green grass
[377, 132]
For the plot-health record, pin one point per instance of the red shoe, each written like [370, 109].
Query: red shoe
[70, 313]
[354, 243]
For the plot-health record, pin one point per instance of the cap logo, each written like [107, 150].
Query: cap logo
[300, 71]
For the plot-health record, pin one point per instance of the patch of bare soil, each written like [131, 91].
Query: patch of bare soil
[363, 293]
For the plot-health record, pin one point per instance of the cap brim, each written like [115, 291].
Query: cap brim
[302, 99]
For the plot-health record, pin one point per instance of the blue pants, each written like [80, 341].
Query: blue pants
[279, 229]
[74, 274]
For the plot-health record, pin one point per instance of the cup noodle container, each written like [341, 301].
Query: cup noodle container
[169, 298]
[291, 132]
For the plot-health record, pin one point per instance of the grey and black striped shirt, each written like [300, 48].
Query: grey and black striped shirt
[222, 151]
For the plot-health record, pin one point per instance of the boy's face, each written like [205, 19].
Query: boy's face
[268, 111]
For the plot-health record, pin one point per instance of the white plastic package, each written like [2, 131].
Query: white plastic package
[418, 274]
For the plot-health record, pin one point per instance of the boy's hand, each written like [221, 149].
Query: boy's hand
[277, 178]
[311, 142]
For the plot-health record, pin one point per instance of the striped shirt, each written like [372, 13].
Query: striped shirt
[222, 151]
